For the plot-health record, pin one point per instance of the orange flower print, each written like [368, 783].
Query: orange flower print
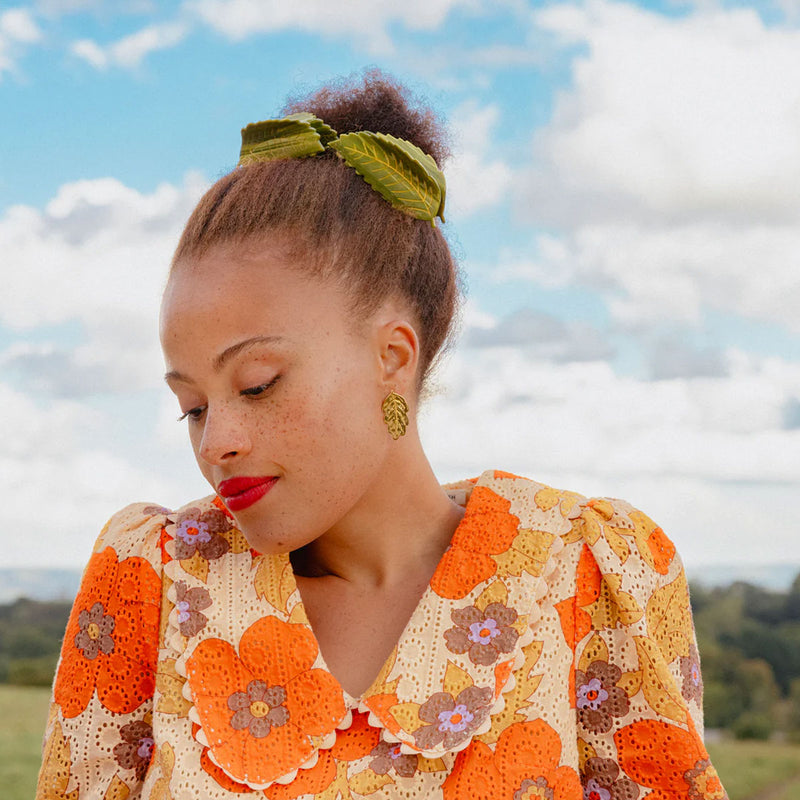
[215, 772]
[254, 707]
[351, 744]
[576, 622]
[688, 773]
[486, 529]
[358, 740]
[111, 641]
[524, 766]
[311, 781]
[704, 782]
[662, 550]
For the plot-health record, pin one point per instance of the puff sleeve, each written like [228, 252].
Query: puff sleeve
[638, 690]
[98, 740]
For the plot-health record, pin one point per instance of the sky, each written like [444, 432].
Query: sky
[623, 197]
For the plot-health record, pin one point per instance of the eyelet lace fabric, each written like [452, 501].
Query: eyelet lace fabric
[552, 656]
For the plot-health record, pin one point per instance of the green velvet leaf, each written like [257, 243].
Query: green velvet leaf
[279, 138]
[431, 167]
[326, 133]
[394, 170]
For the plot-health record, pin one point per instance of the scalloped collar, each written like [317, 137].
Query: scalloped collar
[444, 680]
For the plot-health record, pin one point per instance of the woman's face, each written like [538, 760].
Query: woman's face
[279, 389]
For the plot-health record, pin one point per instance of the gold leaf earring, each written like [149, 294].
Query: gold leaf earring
[395, 413]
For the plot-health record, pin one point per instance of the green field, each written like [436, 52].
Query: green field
[23, 713]
[749, 770]
[758, 770]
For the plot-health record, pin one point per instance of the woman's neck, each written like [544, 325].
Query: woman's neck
[401, 526]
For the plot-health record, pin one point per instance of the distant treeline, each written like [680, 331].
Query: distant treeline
[749, 641]
[30, 640]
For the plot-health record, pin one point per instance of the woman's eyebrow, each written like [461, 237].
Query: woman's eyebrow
[226, 355]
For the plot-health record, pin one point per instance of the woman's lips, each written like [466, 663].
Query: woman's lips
[240, 493]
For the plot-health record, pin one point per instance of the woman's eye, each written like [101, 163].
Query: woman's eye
[192, 413]
[255, 391]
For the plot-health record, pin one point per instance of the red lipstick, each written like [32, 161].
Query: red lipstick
[240, 493]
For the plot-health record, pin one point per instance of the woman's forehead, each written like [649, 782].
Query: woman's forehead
[225, 281]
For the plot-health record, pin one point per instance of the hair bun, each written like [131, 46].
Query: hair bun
[375, 102]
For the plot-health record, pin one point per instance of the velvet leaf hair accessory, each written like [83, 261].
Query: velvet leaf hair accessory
[402, 173]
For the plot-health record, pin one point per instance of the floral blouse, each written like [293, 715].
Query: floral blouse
[551, 657]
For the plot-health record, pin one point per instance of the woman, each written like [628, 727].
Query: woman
[332, 622]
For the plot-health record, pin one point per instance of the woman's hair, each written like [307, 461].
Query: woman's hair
[333, 222]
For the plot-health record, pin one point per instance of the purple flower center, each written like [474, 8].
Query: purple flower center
[145, 747]
[192, 531]
[695, 673]
[483, 632]
[183, 610]
[395, 753]
[594, 791]
[455, 720]
[592, 695]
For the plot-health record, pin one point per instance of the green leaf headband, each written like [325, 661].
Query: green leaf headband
[399, 171]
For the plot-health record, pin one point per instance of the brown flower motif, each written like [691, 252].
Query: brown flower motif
[156, 510]
[94, 632]
[136, 748]
[452, 720]
[601, 781]
[199, 532]
[259, 708]
[482, 634]
[387, 757]
[189, 603]
[598, 696]
[692, 688]
[704, 782]
[539, 789]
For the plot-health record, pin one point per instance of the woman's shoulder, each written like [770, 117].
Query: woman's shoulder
[139, 529]
[617, 535]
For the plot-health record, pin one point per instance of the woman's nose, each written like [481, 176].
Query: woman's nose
[224, 436]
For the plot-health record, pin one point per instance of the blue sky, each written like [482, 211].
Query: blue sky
[624, 196]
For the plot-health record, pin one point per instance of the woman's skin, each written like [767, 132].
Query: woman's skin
[279, 379]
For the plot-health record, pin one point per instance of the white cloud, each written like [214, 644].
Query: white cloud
[542, 336]
[97, 255]
[97, 248]
[474, 180]
[657, 273]
[671, 357]
[17, 29]
[129, 51]
[58, 8]
[367, 21]
[688, 450]
[675, 117]
[63, 475]
[588, 419]
[91, 52]
[78, 433]
[669, 174]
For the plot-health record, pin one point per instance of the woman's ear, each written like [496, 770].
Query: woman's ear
[398, 353]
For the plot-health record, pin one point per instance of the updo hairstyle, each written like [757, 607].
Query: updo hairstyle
[334, 223]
